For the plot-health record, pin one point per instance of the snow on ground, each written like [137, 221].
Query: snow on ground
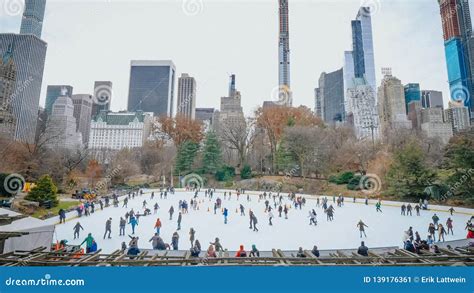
[384, 229]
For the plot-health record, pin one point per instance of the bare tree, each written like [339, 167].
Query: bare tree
[238, 136]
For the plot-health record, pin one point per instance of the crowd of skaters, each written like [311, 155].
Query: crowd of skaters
[273, 201]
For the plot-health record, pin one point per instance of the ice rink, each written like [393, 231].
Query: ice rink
[384, 229]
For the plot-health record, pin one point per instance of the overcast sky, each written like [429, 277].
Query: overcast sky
[96, 39]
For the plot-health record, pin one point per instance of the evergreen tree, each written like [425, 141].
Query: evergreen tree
[185, 157]
[284, 158]
[246, 172]
[45, 190]
[212, 158]
[409, 175]
[459, 162]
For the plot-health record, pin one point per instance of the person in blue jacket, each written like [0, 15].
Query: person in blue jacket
[225, 213]
[133, 221]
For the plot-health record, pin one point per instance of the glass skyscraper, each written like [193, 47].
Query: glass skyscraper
[412, 93]
[32, 21]
[52, 94]
[29, 54]
[330, 96]
[359, 64]
[459, 49]
[152, 87]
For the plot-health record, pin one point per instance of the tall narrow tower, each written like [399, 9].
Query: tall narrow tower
[284, 55]
[32, 21]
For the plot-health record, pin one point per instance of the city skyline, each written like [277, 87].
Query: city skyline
[110, 57]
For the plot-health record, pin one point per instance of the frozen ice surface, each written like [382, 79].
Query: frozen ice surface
[384, 229]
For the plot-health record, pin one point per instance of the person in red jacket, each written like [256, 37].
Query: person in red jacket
[241, 252]
[158, 226]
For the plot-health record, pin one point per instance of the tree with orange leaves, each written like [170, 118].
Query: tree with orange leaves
[273, 120]
[180, 129]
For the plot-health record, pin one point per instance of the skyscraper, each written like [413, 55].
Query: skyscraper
[391, 106]
[152, 86]
[32, 21]
[362, 114]
[29, 53]
[186, 96]
[431, 99]
[82, 112]
[359, 63]
[102, 97]
[62, 130]
[7, 85]
[285, 96]
[330, 96]
[53, 92]
[412, 93]
[459, 49]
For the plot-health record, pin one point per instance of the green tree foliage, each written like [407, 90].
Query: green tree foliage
[409, 174]
[284, 158]
[342, 178]
[212, 158]
[459, 162]
[246, 172]
[45, 190]
[225, 173]
[185, 158]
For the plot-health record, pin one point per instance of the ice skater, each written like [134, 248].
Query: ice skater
[409, 208]
[225, 213]
[108, 228]
[175, 240]
[191, 236]
[377, 206]
[89, 241]
[76, 230]
[417, 209]
[122, 224]
[451, 211]
[217, 245]
[171, 212]
[242, 210]
[133, 222]
[362, 226]
[435, 219]
[125, 203]
[312, 218]
[441, 232]
[270, 217]
[158, 226]
[431, 230]
[403, 209]
[449, 225]
[144, 204]
[180, 217]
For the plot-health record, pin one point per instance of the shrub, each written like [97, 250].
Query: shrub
[246, 172]
[45, 190]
